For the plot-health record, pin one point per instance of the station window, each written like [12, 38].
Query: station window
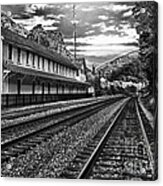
[19, 54]
[77, 73]
[10, 52]
[33, 87]
[38, 61]
[65, 71]
[33, 60]
[43, 64]
[18, 86]
[27, 59]
[70, 72]
[53, 66]
[60, 69]
[48, 65]
[43, 88]
[57, 87]
[48, 88]
[62, 89]
[57, 68]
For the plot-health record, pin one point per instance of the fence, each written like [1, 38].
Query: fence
[14, 100]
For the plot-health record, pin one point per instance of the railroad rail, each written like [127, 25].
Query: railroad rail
[19, 138]
[121, 150]
[25, 111]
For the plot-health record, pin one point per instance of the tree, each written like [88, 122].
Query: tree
[146, 23]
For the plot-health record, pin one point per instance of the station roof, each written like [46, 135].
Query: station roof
[45, 75]
[32, 46]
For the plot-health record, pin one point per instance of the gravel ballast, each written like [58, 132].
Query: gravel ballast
[50, 158]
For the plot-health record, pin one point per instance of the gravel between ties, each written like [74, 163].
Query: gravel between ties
[49, 158]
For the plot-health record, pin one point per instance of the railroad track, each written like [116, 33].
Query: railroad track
[20, 138]
[121, 150]
[30, 110]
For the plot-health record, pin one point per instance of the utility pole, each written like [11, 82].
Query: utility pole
[74, 32]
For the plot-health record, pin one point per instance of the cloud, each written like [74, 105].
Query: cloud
[127, 14]
[103, 17]
[104, 50]
[97, 25]
[118, 8]
[56, 17]
[103, 39]
[70, 43]
[22, 16]
[104, 30]
[87, 9]
[89, 32]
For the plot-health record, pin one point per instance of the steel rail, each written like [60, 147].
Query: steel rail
[45, 127]
[28, 111]
[148, 147]
[52, 114]
[85, 170]
[57, 126]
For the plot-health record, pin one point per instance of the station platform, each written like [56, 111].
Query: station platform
[58, 104]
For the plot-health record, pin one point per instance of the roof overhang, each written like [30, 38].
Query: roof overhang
[46, 75]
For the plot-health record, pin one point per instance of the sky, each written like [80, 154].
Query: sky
[104, 30]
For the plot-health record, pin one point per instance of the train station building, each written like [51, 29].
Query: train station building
[31, 71]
